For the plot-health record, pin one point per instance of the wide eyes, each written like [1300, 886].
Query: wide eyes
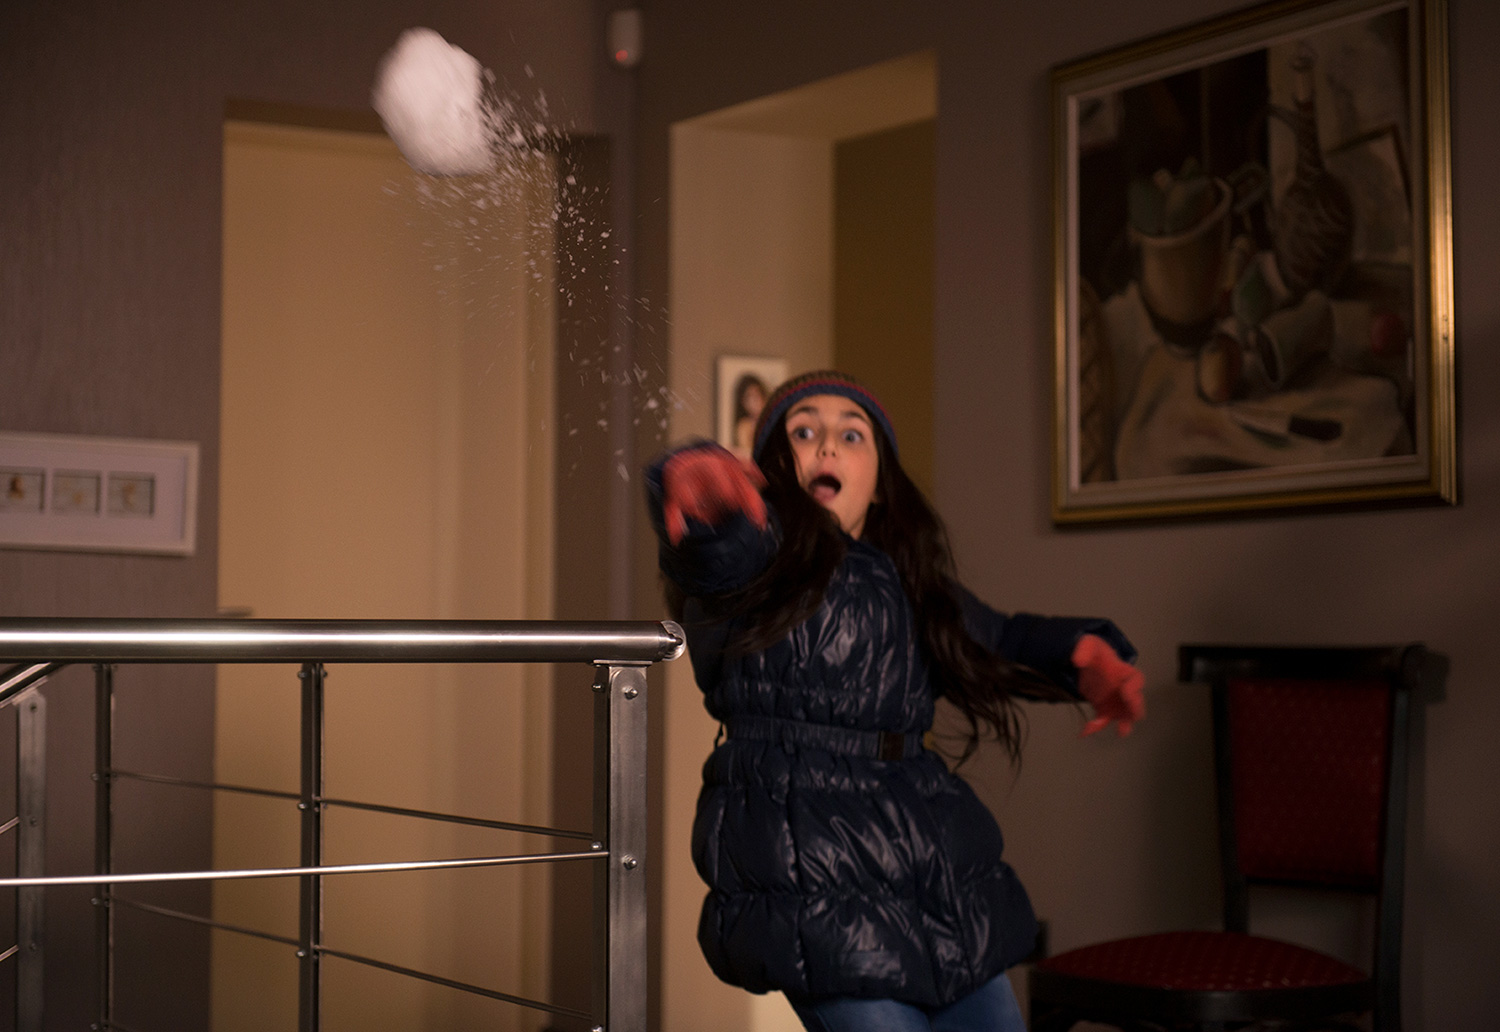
[806, 432]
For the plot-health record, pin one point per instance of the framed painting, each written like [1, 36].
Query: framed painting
[743, 384]
[1253, 273]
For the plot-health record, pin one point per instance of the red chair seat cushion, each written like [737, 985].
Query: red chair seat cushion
[1204, 962]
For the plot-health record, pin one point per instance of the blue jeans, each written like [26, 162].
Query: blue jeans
[990, 1008]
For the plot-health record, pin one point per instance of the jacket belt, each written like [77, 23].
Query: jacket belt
[849, 741]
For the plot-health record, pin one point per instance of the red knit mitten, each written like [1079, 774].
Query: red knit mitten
[708, 484]
[1111, 685]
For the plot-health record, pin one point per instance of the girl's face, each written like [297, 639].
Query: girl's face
[833, 442]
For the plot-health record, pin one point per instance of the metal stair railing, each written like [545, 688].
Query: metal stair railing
[620, 652]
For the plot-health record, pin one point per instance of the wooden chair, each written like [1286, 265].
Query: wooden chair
[1310, 752]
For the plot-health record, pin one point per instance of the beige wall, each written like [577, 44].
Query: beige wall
[386, 429]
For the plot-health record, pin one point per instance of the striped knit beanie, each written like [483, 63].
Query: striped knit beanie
[822, 381]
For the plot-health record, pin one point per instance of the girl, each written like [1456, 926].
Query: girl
[847, 866]
[749, 401]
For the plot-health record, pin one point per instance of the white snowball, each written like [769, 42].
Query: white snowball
[430, 95]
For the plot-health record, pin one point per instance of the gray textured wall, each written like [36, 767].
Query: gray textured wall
[1115, 837]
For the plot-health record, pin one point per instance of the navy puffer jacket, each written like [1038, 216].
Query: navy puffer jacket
[830, 873]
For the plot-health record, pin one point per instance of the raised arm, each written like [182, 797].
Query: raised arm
[712, 526]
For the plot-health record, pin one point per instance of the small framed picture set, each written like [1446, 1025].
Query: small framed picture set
[743, 384]
[98, 494]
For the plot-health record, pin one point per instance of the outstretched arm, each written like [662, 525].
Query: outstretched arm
[1088, 657]
[714, 530]
[708, 484]
[1043, 643]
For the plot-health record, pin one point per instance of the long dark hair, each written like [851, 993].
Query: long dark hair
[980, 684]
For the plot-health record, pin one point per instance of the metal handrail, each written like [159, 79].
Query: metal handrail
[89, 640]
[23, 676]
[619, 651]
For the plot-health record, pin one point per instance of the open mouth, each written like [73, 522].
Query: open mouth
[824, 487]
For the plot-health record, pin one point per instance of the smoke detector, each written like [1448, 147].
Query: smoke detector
[625, 37]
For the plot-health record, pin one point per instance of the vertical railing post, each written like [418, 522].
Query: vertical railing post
[310, 931]
[104, 838]
[31, 833]
[620, 818]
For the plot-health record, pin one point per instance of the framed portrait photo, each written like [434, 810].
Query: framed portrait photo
[1253, 266]
[743, 383]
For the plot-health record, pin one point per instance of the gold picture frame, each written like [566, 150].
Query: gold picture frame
[1254, 300]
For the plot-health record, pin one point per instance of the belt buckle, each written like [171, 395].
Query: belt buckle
[892, 746]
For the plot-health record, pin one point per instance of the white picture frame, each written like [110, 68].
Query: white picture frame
[733, 426]
[98, 494]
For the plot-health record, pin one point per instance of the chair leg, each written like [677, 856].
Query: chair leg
[1387, 1017]
[1056, 1018]
[1050, 1018]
